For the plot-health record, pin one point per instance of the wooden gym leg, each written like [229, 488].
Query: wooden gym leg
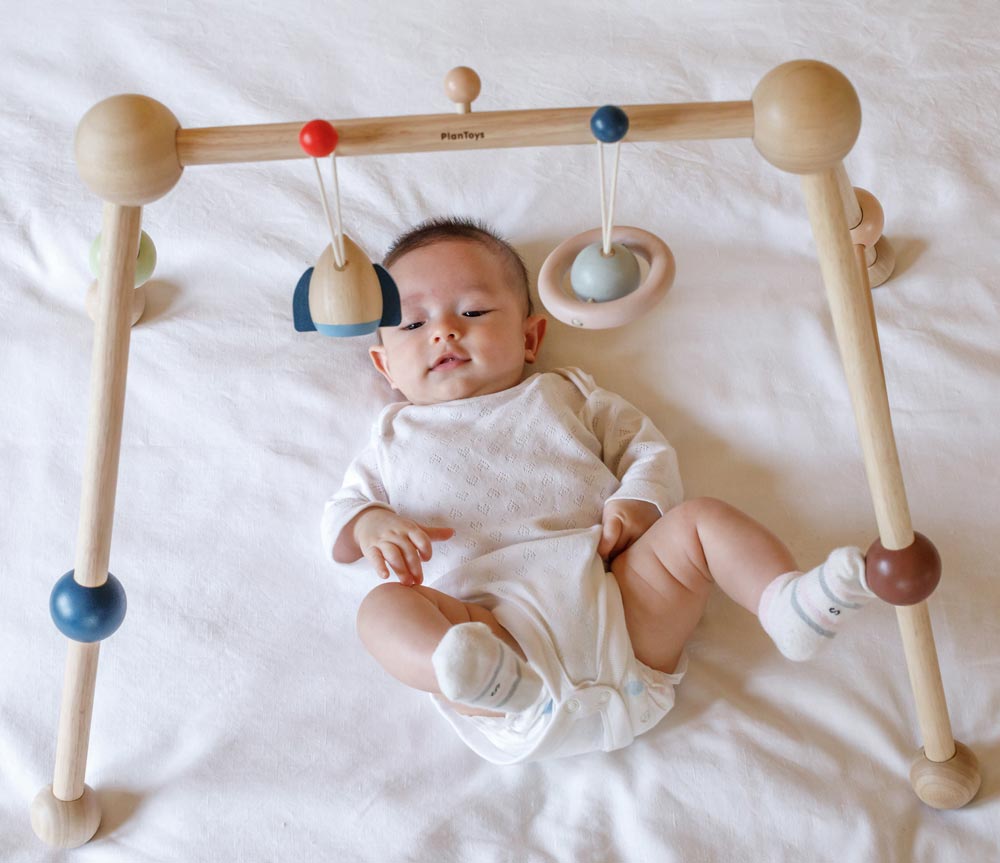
[67, 813]
[944, 774]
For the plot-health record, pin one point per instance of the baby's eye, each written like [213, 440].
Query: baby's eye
[412, 326]
[474, 314]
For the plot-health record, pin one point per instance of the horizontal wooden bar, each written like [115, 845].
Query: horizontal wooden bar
[479, 130]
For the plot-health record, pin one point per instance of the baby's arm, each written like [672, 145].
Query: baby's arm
[385, 539]
[645, 464]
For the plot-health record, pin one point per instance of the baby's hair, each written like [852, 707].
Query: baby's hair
[442, 228]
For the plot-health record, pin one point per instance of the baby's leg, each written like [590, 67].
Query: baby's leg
[404, 628]
[666, 577]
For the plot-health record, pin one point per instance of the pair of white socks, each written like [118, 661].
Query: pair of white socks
[801, 612]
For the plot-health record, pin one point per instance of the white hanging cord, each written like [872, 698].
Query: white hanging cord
[611, 206]
[607, 209]
[604, 208]
[337, 253]
[340, 221]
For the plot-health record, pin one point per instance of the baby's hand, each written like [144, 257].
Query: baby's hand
[622, 523]
[387, 539]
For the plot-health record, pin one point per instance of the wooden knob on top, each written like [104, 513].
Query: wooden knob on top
[806, 116]
[462, 86]
[126, 150]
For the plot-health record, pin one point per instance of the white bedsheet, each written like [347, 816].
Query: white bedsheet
[237, 716]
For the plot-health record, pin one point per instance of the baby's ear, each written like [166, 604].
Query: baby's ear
[534, 332]
[381, 362]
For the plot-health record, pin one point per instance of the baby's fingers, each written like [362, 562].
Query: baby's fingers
[436, 533]
[421, 542]
[611, 532]
[403, 558]
[375, 558]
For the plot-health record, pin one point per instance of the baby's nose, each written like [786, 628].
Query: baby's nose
[445, 330]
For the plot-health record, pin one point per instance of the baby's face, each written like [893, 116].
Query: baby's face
[463, 332]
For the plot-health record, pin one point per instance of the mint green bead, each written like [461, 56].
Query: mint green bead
[596, 278]
[145, 263]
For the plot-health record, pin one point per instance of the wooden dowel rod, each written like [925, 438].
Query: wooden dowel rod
[862, 261]
[477, 130]
[852, 320]
[112, 327]
[74, 720]
[850, 200]
[925, 680]
[853, 316]
[109, 364]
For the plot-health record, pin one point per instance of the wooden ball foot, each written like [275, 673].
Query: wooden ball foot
[946, 784]
[65, 823]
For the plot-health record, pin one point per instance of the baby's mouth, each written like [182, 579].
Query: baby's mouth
[448, 361]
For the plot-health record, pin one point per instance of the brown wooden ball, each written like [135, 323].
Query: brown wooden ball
[806, 116]
[905, 576]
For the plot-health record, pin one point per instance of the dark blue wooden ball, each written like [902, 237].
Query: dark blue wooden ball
[87, 613]
[609, 124]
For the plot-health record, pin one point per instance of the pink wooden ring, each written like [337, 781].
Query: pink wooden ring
[869, 229]
[614, 313]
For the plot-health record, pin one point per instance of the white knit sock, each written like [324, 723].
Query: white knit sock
[803, 612]
[475, 667]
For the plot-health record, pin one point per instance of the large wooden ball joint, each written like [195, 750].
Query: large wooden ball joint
[126, 150]
[806, 116]
[903, 576]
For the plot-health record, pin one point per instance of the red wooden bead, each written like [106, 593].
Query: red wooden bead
[318, 138]
[905, 576]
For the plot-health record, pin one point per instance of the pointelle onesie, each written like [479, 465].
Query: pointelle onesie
[522, 476]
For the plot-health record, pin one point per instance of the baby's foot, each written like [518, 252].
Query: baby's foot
[803, 612]
[475, 667]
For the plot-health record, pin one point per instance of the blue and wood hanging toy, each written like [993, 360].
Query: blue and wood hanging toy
[345, 294]
[607, 288]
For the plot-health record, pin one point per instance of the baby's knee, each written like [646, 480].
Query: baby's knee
[372, 609]
[700, 509]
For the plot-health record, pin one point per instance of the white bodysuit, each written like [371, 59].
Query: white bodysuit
[522, 476]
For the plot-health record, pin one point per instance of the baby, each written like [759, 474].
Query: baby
[568, 570]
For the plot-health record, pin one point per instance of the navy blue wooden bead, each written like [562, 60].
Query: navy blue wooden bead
[87, 613]
[609, 124]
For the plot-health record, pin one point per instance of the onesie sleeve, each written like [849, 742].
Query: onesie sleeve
[362, 489]
[634, 450]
